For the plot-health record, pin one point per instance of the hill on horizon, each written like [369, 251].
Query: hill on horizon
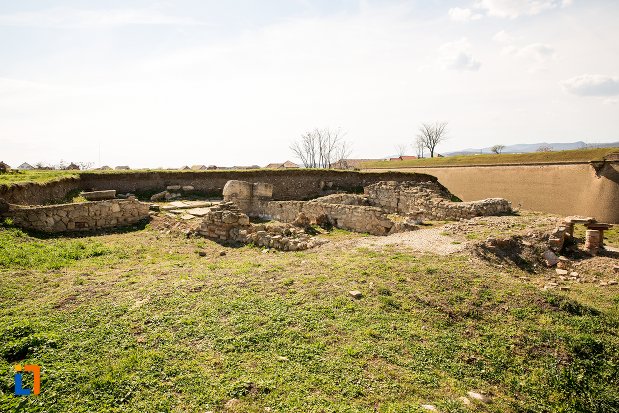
[532, 147]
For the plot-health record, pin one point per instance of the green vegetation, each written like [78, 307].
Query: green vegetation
[139, 322]
[35, 176]
[579, 155]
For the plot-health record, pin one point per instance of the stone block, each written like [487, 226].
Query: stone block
[99, 195]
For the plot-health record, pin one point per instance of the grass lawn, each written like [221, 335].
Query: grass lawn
[579, 155]
[137, 321]
[34, 176]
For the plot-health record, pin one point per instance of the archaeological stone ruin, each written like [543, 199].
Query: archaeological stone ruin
[384, 207]
[81, 216]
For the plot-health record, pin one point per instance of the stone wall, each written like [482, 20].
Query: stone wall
[247, 195]
[431, 201]
[367, 219]
[79, 216]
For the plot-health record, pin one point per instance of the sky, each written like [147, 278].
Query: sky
[171, 83]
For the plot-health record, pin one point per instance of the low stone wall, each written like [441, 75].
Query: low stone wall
[431, 201]
[344, 199]
[78, 217]
[371, 220]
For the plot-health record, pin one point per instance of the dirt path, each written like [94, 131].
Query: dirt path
[423, 240]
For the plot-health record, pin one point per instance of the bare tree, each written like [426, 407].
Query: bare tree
[544, 148]
[85, 165]
[61, 165]
[497, 149]
[342, 153]
[321, 148]
[401, 149]
[420, 146]
[432, 134]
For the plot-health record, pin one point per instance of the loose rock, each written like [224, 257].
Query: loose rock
[478, 396]
[550, 258]
[355, 294]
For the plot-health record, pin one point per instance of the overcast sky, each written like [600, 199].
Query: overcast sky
[169, 83]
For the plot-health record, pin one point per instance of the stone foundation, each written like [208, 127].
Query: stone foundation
[77, 217]
[367, 219]
[371, 213]
[431, 201]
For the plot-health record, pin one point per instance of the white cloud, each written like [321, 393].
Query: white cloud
[514, 8]
[503, 37]
[537, 52]
[79, 19]
[463, 15]
[457, 56]
[535, 55]
[592, 85]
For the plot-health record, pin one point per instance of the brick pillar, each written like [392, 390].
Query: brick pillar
[592, 241]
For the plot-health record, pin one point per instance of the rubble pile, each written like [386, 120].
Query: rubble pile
[226, 222]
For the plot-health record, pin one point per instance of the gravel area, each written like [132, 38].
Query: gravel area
[423, 240]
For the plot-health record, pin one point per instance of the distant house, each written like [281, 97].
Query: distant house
[198, 167]
[72, 167]
[351, 163]
[185, 168]
[246, 167]
[105, 168]
[122, 168]
[285, 165]
[289, 164]
[403, 158]
[212, 167]
[4, 167]
[25, 167]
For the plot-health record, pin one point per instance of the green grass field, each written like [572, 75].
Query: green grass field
[580, 155]
[137, 321]
[14, 177]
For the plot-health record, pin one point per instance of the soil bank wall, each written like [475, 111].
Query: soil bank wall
[287, 185]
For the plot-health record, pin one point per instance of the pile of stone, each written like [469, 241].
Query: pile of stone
[220, 221]
[226, 222]
[172, 192]
[282, 237]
